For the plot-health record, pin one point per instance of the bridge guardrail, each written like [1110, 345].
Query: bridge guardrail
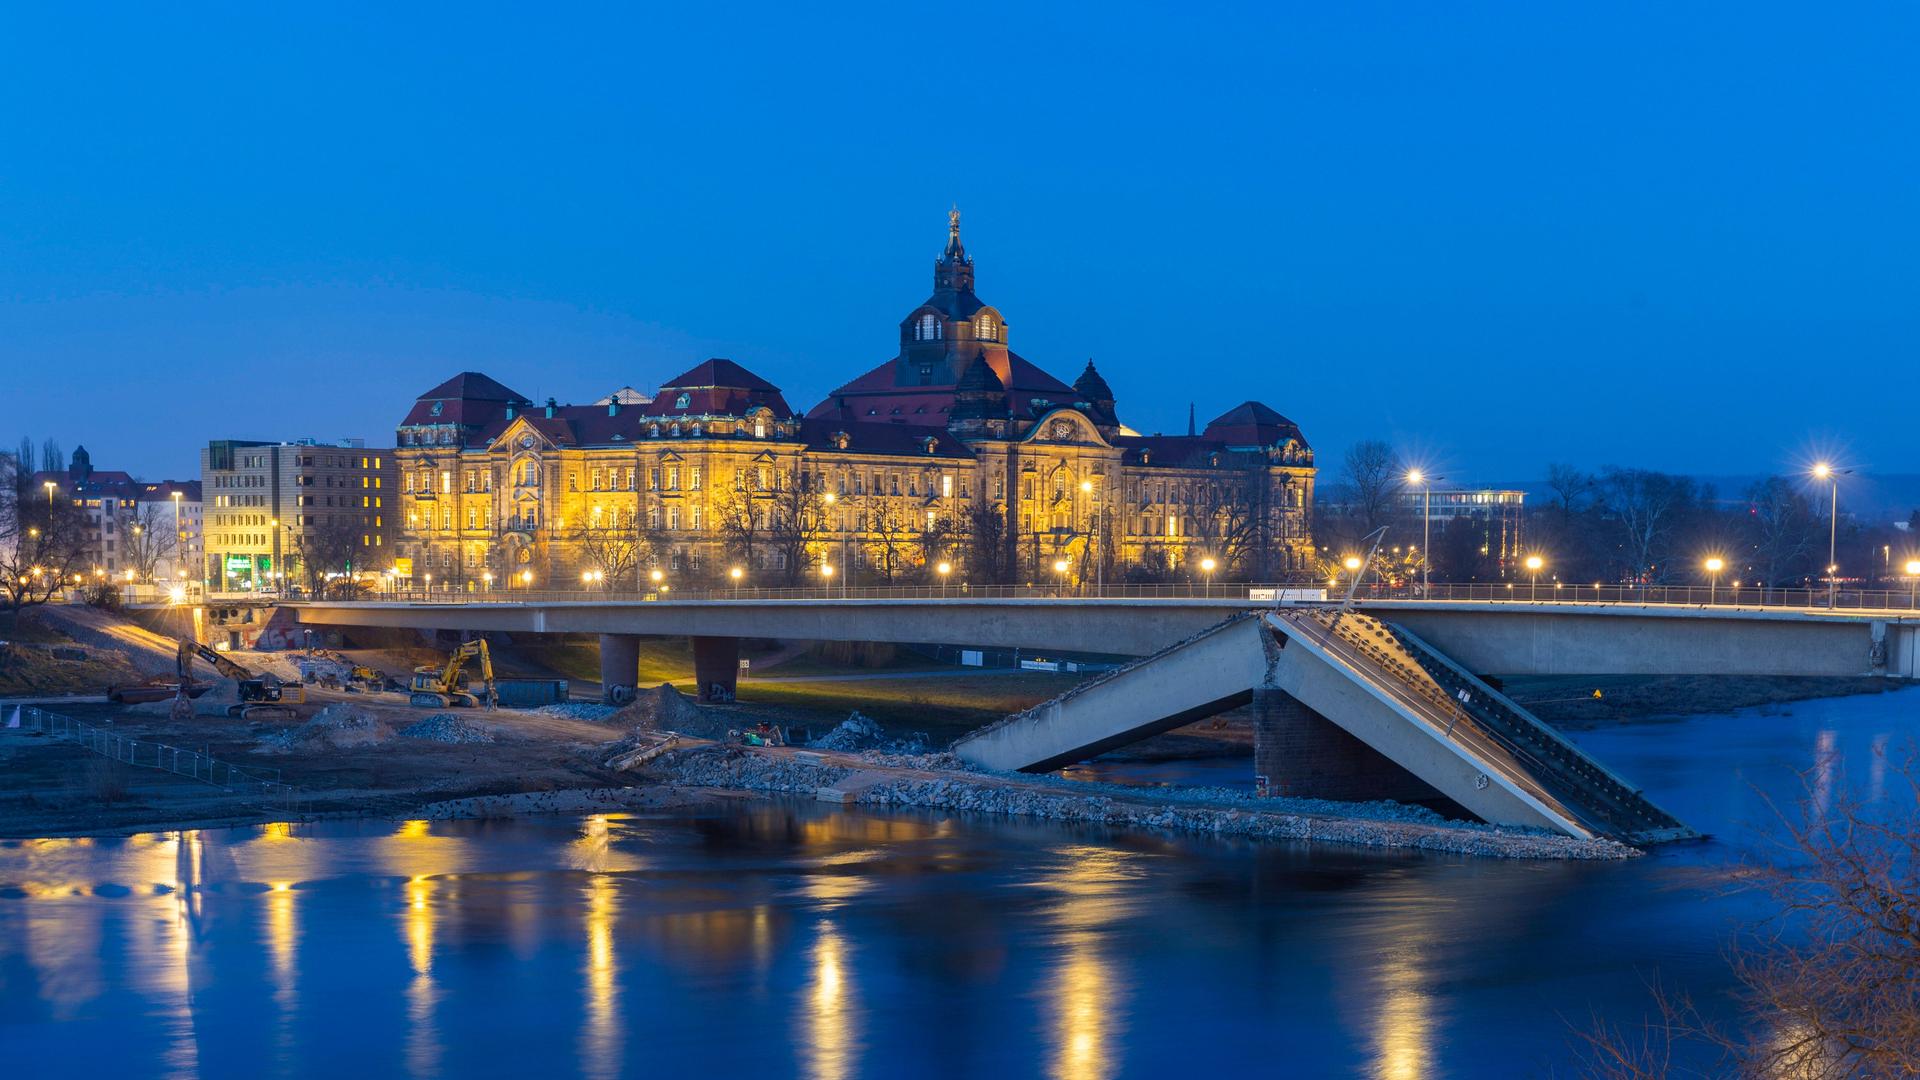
[1519, 593]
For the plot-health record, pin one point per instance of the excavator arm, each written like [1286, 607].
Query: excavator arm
[190, 648]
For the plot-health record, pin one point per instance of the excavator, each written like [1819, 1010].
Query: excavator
[261, 697]
[438, 688]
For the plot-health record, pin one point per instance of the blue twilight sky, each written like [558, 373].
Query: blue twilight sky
[1684, 236]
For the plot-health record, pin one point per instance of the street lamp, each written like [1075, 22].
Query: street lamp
[1913, 582]
[943, 569]
[486, 577]
[49, 485]
[1093, 539]
[1825, 471]
[736, 574]
[1416, 476]
[1206, 569]
[826, 579]
[1714, 566]
[526, 579]
[1534, 563]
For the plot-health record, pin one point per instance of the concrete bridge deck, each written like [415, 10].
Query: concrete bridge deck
[1487, 637]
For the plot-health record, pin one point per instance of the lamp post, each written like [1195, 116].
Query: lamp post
[49, 485]
[826, 579]
[736, 574]
[1825, 471]
[1060, 567]
[486, 578]
[1913, 582]
[1206, 569]
[1353, 565]
[1416, 476]
[943, 570]
[1714, 566]
[526, 579]
[846, 553]
[1534, 563]
[1093, 533]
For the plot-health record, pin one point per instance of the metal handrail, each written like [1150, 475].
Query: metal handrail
[1521, 594]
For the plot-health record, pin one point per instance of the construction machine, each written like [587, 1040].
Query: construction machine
[437, 688]
[262, 697]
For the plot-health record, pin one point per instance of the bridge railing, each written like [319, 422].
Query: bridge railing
[1733, 597]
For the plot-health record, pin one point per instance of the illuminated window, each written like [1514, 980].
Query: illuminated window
[986, 327]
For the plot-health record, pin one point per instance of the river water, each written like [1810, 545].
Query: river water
[804, 940]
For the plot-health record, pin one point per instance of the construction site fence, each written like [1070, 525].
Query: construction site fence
[148, 754]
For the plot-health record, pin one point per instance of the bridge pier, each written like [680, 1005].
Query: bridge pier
[716, 667]
[619, 667]
[1298, 752]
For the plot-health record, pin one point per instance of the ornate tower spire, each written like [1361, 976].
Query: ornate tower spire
[953, 270]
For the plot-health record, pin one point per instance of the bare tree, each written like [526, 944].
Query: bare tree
[1827, 983]
[796, 522]
[1571, 488]
[1781, 528]
[742, 518]
[1375, 477]
[891, 541]
[147, 538]
[51, 459]
[617, 547]
[43, 545]
[989, 559]
[1644, 506]
[327, 549]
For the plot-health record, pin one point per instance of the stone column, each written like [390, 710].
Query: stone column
[716, 667]
[1299, 752]
[619, 667]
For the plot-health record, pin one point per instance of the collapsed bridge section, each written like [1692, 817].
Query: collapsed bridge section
[1347, 707]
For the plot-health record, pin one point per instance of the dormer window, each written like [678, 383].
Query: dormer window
[683, 401]
[760, 427]
[985, 328]
[927, 327]
[696, 431]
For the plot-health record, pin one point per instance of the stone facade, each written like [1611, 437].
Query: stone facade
[956, 451]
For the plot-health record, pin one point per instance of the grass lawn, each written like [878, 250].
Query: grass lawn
[943, 706]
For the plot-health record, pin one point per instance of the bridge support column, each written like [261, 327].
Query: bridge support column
[1297, 751]
[716, 667]
[619, 667]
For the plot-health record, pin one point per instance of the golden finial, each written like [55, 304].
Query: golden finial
[953, 222]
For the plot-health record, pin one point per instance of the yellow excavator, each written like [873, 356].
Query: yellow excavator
[438, 688]
[262, 697]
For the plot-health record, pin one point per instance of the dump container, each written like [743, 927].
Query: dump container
[528, 693]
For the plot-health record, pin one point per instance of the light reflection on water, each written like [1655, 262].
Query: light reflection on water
[806, 940]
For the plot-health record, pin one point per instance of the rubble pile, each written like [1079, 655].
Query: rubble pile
[667, 709]
[340, 726]
[857, 733]
[447, 728]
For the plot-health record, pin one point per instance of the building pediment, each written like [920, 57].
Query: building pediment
[521, 435]
[1067, 426]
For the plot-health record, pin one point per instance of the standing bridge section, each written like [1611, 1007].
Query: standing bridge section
[1346, 707]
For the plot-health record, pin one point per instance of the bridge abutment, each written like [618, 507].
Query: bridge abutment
[619, 667]
[1298, 752]
[716, 667]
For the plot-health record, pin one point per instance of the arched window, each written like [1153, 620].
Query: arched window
[927, 327]
[986, 328]
[760, 426]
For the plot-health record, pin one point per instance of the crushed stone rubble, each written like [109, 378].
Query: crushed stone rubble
[578, 710]
[447, 728]
[340, 725]
[857, 733]
[1380, 825]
